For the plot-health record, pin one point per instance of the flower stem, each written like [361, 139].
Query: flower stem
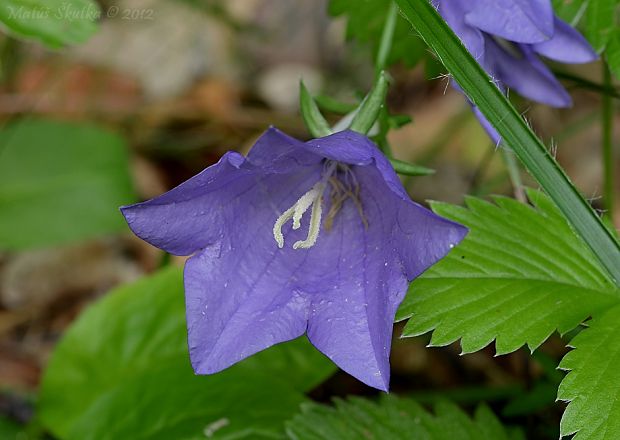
[607, 119]
[603, 89]
[165, 260]
[515, 174]
[387, 37]
[385, 47]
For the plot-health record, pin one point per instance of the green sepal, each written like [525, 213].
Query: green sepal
[371, 106]
[329, 104]
[409, 169]
[310, 113]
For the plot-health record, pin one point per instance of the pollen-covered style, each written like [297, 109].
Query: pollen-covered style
[507, 37]
[313, 237]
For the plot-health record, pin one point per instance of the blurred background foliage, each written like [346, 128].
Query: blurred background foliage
[118, 101]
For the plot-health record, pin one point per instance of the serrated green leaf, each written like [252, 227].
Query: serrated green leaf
[519, 275]
[55, 23]
[393, 418]
[60, 182]
[600, 22]
[122, 372]
[365, 22]
[593, 384]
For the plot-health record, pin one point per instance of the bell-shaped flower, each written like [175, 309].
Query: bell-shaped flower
[313, 237]
[507, 37]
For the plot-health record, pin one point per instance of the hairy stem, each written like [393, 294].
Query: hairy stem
[607, 119]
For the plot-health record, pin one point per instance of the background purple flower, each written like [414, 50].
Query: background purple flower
[508, 36]
[248, 288]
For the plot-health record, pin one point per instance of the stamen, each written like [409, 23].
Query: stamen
[305, 202]
[341, 191]
[277, 227]
[315, 225]
[313, 198]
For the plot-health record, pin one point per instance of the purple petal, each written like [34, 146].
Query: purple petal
[453, 11]
[232, 317]
[522, 21]
[418, 236]
[440, 235]
[359, 284]
[353, 148]
[188, 217]
[192, 215]
[566, 46]
[354, 307]
[346, 146]
[276, 151]
[527, 75]
[245, 294]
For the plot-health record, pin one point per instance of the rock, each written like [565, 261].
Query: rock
[279, 85]
[40, 277]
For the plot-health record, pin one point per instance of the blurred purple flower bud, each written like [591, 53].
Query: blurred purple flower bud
[507, 37]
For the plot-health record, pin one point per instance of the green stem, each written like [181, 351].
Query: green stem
[165, 260]
[606, 89]
[387, 37]
[385, 47]
[515, 174]
[514, 131]
[607, 120]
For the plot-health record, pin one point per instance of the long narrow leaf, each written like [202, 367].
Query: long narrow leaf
[514, 131]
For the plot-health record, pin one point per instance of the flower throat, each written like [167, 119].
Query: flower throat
[343, 186]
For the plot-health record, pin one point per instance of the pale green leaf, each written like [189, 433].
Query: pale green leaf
[365, 22]
[570, 10]
[600, 22]
[519, 275]
[122, 371]
[60, 182]
[593, 384]
[613, 52]
[55, 23]
[393, 418]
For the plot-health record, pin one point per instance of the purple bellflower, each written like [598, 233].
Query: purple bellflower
[507, 37]
[313, 237]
